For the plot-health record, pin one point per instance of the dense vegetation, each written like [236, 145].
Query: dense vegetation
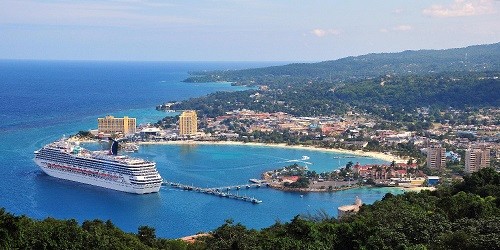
[458, 90]
[21, 232]
[470, 59]
[389, 85]
[464, 215]
[388, 96]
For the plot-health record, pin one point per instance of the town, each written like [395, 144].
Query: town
[440, 154]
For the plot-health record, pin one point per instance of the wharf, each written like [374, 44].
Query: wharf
[238, 187]
[219, 191]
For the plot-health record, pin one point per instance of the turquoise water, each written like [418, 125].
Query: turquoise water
[42, 101]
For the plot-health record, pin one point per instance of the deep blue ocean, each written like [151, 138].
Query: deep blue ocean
[40, 101]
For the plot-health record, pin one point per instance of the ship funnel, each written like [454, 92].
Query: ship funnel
[114, 147]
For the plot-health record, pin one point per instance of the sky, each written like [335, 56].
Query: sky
[239, 30]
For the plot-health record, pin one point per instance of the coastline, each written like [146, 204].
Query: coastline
[312, 190]
[371, 154]
[417, 189]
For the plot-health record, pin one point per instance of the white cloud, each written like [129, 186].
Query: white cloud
[324, 32]
[318, 32]
[461, 8]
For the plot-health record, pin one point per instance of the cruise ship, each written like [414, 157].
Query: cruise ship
[67, 160]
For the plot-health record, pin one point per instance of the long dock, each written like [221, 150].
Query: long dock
[219, 191]
[242, 186]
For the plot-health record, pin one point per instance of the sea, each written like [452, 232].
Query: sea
[42, 101]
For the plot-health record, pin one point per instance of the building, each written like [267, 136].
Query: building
[436, 157]
[188, 123]
[476, 158]
[112, 125]
[150, 132]
[432, 180]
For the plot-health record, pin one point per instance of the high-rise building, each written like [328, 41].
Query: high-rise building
[476, 158]
[188, 123]
[436, 157]
[112, 125]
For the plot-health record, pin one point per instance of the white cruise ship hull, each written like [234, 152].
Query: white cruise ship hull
[122, 185]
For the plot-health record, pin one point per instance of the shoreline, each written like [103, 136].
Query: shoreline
[370, 154]
[313, 190]
[317, 190]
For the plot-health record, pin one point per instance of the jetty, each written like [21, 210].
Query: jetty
[218, 191]
[258, 184]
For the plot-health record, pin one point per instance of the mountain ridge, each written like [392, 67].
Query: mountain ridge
[477, 58]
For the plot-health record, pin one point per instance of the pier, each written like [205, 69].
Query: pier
[243, 186]
[219, 191]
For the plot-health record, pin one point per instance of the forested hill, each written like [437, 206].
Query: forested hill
[386, 96]
[476, 58]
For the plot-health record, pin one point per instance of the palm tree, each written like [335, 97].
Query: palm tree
[348, 166]
[378, 170]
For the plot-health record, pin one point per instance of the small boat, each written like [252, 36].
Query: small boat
[130, 147]
[255, 201]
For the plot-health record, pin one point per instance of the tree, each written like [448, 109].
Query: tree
[349, 165]
[393, 165]
[146, 235]
[409, 162]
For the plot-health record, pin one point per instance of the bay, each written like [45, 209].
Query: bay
[43, 100]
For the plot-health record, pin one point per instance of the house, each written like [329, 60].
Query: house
[357, 144]
[289, 179]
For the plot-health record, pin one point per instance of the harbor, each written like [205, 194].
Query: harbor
[221, 191]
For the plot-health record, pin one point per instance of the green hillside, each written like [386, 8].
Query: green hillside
[476, 58]
[391, 97]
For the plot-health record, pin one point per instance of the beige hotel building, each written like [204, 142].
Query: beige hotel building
[436, 157]
[188, 123]
[113, 125]
[476, 158]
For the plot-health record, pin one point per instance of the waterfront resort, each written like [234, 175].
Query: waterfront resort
[401, 172]
[110, 125]
[188, 123]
